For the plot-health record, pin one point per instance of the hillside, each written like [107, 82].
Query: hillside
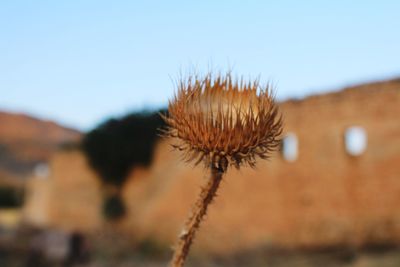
[26, 141]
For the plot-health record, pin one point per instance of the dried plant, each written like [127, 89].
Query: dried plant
[222, 122]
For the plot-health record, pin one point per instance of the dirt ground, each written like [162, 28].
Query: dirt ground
[155, 257]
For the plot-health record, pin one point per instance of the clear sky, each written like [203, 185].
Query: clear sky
[81, 61]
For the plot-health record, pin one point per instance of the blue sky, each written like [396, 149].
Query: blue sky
[79, 62]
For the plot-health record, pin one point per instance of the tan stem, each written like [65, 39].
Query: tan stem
[192, 224]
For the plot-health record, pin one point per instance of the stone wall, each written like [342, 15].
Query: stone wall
[324, 198]
[68, 199]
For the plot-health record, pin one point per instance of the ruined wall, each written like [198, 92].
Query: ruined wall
[68, 199]
[324, 198]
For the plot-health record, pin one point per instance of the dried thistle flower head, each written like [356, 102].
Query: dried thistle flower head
[223, 122]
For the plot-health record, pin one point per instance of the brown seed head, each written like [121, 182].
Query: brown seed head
[222, 121]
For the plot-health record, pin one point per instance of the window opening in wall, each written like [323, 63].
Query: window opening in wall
[290, 147]
[355, 139]
[41, 170]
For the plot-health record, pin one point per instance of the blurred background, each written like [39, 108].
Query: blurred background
[85, 179]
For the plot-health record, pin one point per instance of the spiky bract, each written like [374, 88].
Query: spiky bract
[222, 121]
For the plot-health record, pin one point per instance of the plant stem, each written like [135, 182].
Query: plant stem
[198, 211]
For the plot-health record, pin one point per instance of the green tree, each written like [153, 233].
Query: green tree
[115, 147]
